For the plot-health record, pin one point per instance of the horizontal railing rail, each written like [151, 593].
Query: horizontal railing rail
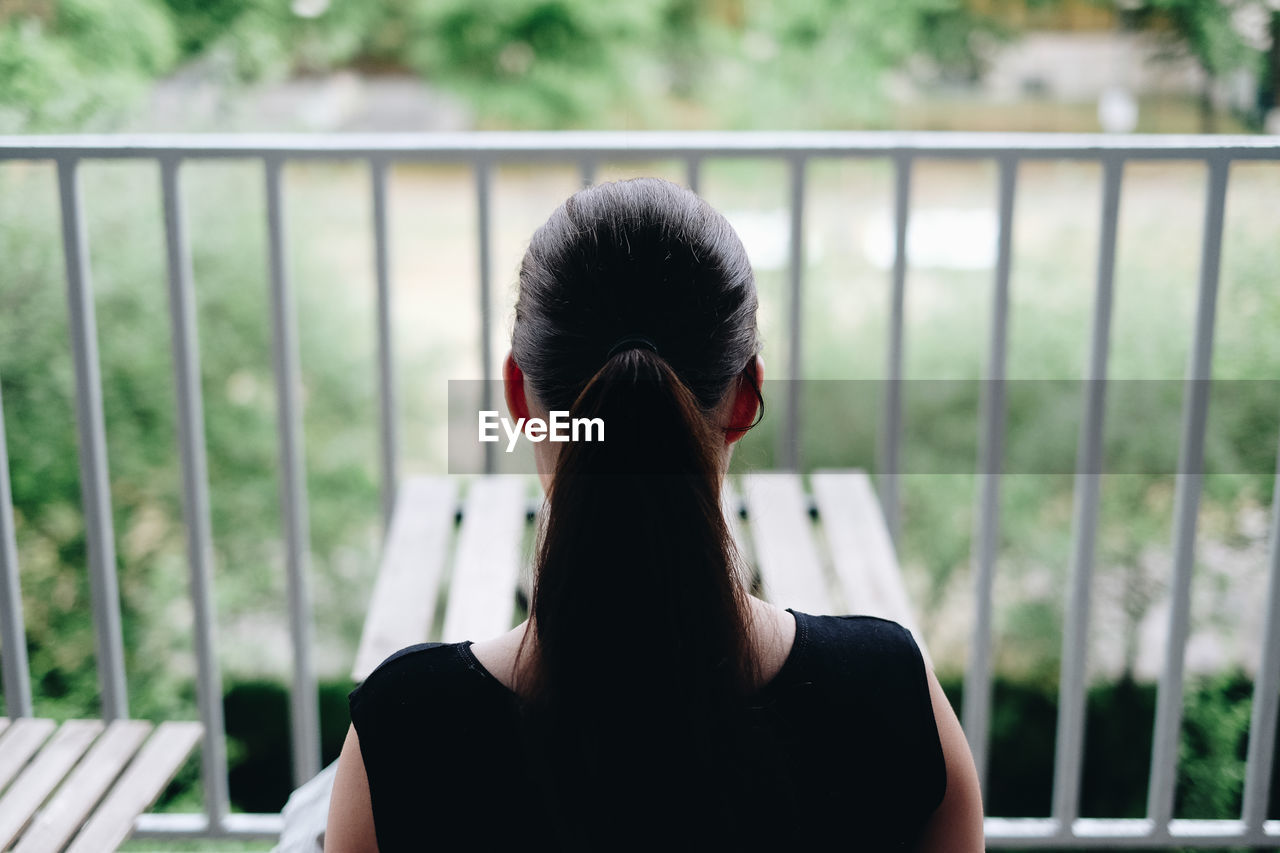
[483, 151]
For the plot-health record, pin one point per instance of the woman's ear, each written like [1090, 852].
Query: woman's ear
[513, 388]
[745, 401]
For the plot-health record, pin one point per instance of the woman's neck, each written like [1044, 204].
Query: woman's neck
[771, 628]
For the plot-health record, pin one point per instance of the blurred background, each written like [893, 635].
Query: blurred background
[1066, 65]
[1159, 66]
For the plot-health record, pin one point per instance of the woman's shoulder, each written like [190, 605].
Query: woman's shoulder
[414, 675]
[852, 622]
[873, 674]
[859, 641]
[851, 658]
[420, 656]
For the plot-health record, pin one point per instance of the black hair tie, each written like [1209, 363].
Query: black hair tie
[632, 342]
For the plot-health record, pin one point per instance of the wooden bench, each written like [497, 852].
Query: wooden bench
[830, 553]
[80, 786]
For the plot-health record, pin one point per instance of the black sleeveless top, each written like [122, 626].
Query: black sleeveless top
[848, 722]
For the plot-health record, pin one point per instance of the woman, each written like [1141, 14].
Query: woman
[650, 700]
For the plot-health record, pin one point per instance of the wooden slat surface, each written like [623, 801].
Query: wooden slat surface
[486, 561]
[729, 502]
[19, 743]
[482, 589]
[43, 774]
[58, 821]
[404, 594]
[138, 788]
[524, 580]
[861, 551]
[790, 566]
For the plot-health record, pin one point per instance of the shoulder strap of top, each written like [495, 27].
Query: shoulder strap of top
[868, 659]
[402, 674]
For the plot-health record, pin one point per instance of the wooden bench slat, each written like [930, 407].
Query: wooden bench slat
[790, 566]
[43, 774]
[839, 517]
[54, 825]
[482, 589]
[524, 580]
[729, 502]
[20, 742]
[781, 542]
[861, 550]
[404, 595]
[138, 788]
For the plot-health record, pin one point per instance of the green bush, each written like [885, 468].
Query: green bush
[258, 745]
[521, 63]
[1119, 723]
[84, 63]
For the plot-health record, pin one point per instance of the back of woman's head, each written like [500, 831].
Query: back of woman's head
[640, 257]
[637, 306]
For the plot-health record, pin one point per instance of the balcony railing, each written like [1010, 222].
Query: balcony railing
[482, 153]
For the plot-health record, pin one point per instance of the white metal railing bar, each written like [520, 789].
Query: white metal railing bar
[891, 429]
[304, 699]
[789, 435]
[649, 145]
[693, 173]
[195, 487]
[387, 410]
[977, 690]
[484, 217]
[1195, 413]
[1266, 688]
[14, 668]
[95, 485]
[1069, 745]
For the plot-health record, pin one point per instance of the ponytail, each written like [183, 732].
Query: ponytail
[637, 577]
[638, 616]
[637, 658]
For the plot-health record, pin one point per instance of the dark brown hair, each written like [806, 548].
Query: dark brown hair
[638, 617]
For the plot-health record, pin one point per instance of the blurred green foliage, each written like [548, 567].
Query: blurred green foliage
[525, 63]
[1117, 748]
[78, 63]
[1211, 32]
[1222, 37]
[535, 63]
[70, 64]
[138, 398]
[257, 719]
[836, 53]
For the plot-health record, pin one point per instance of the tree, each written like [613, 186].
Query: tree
[822, 63]
[1222, 36]
[64, 65]
[1269, 85]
